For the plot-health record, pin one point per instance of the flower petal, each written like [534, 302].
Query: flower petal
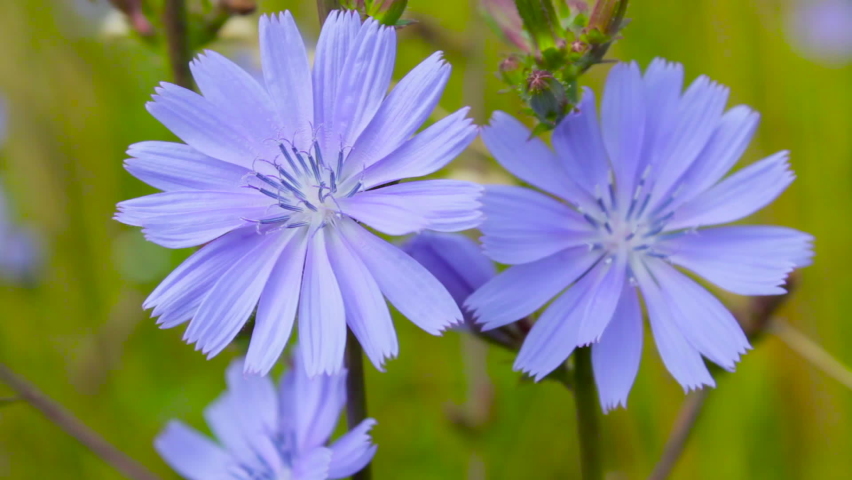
[404, 111]
[522, 289]
[701, 318]
[600, 303]
[526, 157]
[747, 260]
[579, 146]
[364, 82]
[175, 166]
[681, 359]
[663, 85]
[522, 225]
[554, 335]
[616, 357]
[276, 309]
[698, 114]
[724, 148]
[178, 297]
[245, 418]
[256, 394]
[426, 153]
[230, 302]
[201, 125]
[739, 195]
[366, 309]
[189, 218]
[455, 260]
[333, 47]
[287, 75]
[310, 405]
[238, 96]
[417, 294]
[322, 317]
[313, 465]
[353, 451]
[191, 454]
[442, 205]
[623, 124]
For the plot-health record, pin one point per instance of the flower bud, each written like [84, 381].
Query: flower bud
[607, 16]
[387, 12]
[548, 98]
[511, 70]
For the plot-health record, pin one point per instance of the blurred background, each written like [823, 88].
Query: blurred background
[73, 81]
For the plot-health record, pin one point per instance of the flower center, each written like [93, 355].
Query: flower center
[305, 187]
[631, 226]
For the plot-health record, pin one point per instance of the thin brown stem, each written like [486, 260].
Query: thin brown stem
[74, 427]
[177, 40]
[686, 420]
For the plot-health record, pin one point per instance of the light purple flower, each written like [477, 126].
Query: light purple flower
[821, 30]
[277, 178]
[454, 259]
[631, 194]
[269, 433]
[459, 264]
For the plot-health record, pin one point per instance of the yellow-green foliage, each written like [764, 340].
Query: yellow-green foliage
[76, 102]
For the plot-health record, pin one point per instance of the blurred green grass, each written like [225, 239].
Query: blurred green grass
[77, 101]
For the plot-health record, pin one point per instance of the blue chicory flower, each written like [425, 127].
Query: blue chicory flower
[269, 433]
[459, 264]
[454, 259]
[276, 177]
[636, 190]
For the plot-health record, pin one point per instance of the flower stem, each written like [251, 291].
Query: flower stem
[62, 418]
[356, 392]
[588, 428]
[685, 423]
[175, 22]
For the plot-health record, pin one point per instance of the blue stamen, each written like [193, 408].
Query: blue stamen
[644, 205]
[318, 153]
[280, 219]
[591, 220]
[354, 190]
[288, 157]
[301, 160]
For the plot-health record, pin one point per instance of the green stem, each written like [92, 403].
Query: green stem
[356, 392]
[177, 40]
[588, 410]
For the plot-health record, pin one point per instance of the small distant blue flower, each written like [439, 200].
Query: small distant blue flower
[3, 121]
[635, 191]
[821, 30]
[276, 178]
[20, 248]
[269, 433]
